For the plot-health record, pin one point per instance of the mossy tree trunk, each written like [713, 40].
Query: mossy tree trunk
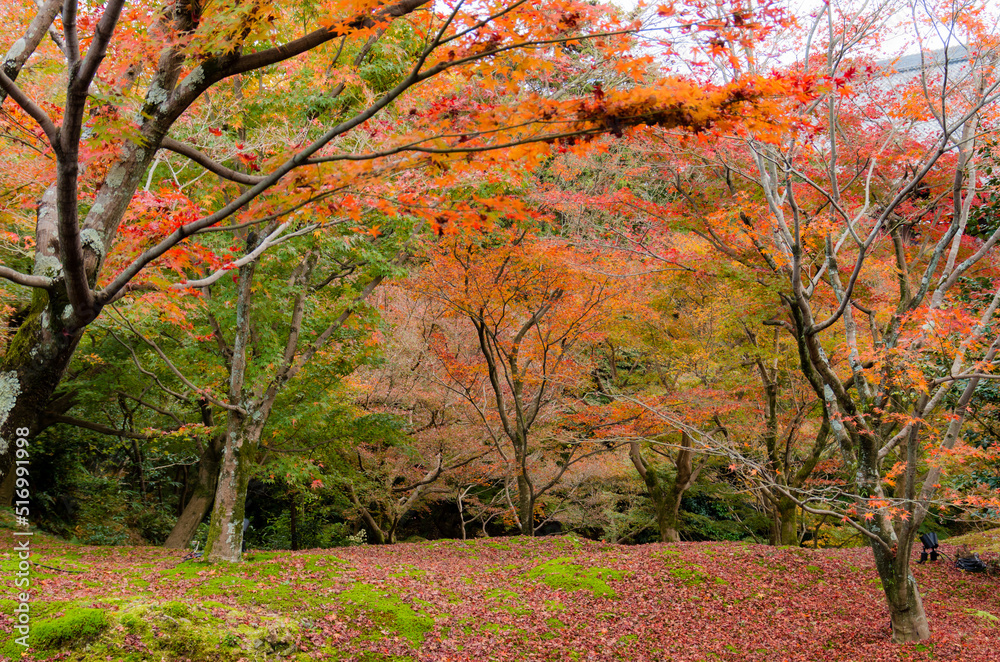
[225, 529]
[785, 525]
[667, 489]
[892, 543]
[244, 425]
[906, 609]
[249, 405]
[30, 371]
[202, 496]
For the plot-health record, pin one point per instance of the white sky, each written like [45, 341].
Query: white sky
[895, 42]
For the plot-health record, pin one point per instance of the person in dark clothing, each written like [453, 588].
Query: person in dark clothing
[930, 542]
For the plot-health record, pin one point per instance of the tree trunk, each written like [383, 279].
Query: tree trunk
[244, 425]
[525, 505]
[784, 522]
[666, 518]
[665, 491]
[892, 556]
[225, 529]
[390, 537]
[906, 609]
[293, 529]
[202, 497]
[378, 535]
[182, 478]
[29, 374]
[461, 514]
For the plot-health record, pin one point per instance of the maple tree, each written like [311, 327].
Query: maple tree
[695, 359]
[881, 176]
[118, 89]
[523, 307]
[797, 302]
[884, 170]
[437, 455]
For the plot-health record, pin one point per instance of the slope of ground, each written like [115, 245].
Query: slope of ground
[498, 599]
[978, 541]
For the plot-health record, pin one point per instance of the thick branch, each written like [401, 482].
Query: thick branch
[97, 427]
[25, 279]
[10, 89]
[207, 163]
[26, 45]
[225, 66]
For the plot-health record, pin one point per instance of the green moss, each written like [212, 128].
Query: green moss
[409, 571]
[255, 557]
[563, 574]
[512, 602]
[185, 570]
[24, 340]
[985, 616]
[979, 541]
[387, 610]
[256, 582]
[168, 631]
[74, 626]
[690, 575]
[499, 594]
[815, 569]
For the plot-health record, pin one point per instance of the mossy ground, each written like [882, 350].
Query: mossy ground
[387, 611]
[978, 541]
[511, 599]
[75, 626]
[564, 574]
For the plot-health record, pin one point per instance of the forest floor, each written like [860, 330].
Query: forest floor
[502, 599]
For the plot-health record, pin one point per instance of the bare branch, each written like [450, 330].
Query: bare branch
[819, 511]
